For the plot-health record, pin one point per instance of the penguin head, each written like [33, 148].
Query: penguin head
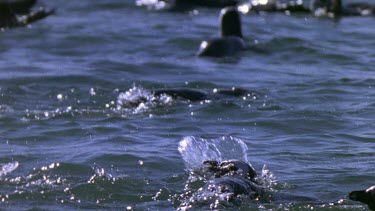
[230, 22]
[231, 168]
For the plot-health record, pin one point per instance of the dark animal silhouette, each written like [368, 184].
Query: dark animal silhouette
[234, 177]
[196, 95]
[18, 13]
[231, 38]
[365, 196]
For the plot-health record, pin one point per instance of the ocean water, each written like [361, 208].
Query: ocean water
[80, 128]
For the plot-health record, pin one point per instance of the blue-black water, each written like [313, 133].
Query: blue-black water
[68, 140]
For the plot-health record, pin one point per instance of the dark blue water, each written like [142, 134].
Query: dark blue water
[68, 142]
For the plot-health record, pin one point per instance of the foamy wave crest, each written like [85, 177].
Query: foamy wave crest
[196, 150]
[8, 167]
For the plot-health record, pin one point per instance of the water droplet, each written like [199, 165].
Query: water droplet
[60, 97]
[92, 92]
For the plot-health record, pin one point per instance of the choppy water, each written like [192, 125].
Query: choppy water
[67, 142]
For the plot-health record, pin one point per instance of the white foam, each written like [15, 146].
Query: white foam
[8, 167]
[138, 99]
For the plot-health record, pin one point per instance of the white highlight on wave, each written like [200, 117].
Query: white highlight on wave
[8, 167]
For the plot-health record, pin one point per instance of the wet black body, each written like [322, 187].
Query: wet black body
[9, 11]
[17, 6]
[197, 95]
[231, 168]
[230, 40]
[219, 47]
[364, 196]
[233, 176]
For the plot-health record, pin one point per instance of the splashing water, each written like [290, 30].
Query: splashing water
[196, 150]
[8, 167]
[139, 100]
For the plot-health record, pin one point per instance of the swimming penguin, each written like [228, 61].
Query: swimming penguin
[233, 176]
[231, 168]
[137, 96]
[335, 8]
[231, 39]
[197, 95]
[365, 196]
[235, 186]
[17, 13]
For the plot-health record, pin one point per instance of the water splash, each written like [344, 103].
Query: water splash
[267, 178]
[8, 167]
[196, 150]
[196, 194]
[138, 99]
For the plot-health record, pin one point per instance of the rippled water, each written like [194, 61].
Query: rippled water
[66, 141]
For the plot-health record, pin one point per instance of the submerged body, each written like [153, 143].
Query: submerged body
[196, 95]
[137, 97]
[18, 13]
[234, 182]
[17, 6]
[234, 187]
[219, 47]
[231, 168]
[365, 196]
[233, 176]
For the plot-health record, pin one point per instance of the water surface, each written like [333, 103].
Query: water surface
[66, 143]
